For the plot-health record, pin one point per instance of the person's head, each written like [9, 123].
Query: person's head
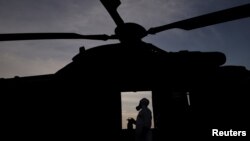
[143, 102]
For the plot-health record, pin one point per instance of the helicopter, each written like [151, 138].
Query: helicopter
[63, 105]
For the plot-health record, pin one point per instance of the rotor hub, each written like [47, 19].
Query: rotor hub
[130, 32]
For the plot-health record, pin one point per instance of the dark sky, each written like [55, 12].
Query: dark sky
[24, 58]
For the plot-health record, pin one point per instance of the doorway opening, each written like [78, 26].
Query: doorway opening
[129, 102]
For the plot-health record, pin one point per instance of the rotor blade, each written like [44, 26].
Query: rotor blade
[111, 6]
[234, 13]
[44, 36]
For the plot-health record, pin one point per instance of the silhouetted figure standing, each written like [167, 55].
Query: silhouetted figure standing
[130, 136]
[143, 121]
[130, 123]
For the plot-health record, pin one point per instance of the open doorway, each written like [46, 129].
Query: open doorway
[129, 102]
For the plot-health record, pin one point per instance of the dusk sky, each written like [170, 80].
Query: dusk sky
[25, 58]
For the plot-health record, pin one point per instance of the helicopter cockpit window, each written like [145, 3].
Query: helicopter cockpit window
[129, 102]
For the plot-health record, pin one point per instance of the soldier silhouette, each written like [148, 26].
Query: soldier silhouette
[143, 121]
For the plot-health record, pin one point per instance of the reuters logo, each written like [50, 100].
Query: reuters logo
[216, 132]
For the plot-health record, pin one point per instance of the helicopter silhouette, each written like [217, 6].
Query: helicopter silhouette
[69, 103]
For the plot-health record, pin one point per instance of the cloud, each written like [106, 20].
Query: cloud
[35, 66]
[43, 15]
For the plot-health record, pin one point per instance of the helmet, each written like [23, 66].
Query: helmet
[144, 102]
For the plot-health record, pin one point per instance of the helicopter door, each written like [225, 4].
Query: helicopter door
[130, 100]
